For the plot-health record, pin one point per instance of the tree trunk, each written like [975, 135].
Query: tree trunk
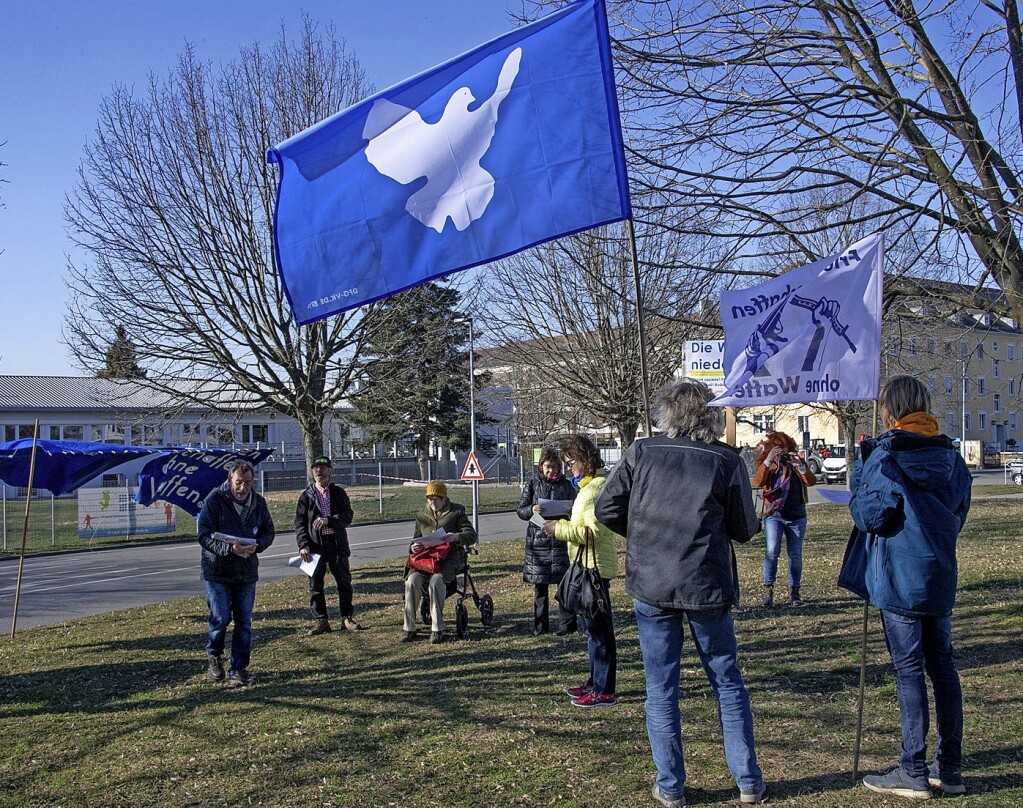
[312, 437]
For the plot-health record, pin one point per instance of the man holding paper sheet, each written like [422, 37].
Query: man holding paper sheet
[234, 525]
[321, 516]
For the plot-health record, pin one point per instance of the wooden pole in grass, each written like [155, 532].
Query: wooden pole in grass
[24, 531]
[863, 652]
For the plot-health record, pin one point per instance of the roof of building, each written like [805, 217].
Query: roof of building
[41, 393]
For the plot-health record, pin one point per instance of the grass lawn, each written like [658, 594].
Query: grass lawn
[117, 710]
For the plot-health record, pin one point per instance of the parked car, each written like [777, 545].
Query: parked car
[833, 467]
[1014, 468]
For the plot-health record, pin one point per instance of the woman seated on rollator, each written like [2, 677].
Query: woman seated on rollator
[440, 514]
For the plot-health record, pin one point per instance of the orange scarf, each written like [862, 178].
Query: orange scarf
[922, 423]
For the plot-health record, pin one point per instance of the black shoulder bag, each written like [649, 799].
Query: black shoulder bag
[581, 591]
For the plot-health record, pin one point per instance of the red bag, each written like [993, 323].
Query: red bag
[429, 559]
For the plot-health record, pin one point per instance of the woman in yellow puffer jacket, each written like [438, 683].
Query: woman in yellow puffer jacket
[599, 551]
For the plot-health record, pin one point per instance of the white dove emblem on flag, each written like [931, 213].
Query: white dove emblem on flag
[404, 147]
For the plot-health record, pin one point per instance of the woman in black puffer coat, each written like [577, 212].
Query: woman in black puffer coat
[546, 559]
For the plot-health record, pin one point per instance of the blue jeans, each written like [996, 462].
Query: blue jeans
[660, 639]
[793, 530]
[920, 645]
[229, 602]
[602, 648]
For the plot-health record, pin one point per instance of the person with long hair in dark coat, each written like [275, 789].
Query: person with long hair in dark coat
[546, 559]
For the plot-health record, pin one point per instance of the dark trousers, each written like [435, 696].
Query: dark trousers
[338, 566]
[602, 647]
[541, 611]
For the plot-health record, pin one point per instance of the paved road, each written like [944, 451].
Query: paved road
[68, 586]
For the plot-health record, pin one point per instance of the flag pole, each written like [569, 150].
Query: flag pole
[863, 651]
[642, 329]
[24, 531]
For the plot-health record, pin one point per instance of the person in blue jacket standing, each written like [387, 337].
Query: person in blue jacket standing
[910, 494]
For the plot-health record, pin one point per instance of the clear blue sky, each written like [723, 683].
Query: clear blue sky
[58, 60]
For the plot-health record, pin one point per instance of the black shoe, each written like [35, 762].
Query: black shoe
[242, 677]
[437, 637]
[216, 668]
[538, 630]
[407, 636]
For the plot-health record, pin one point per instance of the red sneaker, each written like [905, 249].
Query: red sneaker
[579, 692]
[596, 700]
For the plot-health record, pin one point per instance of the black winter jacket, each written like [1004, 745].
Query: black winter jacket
[218, 515]
[546, 559]
[680, 504]
[340, 517]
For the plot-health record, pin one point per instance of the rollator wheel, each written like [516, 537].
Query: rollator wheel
[486, 610]
[461, 621]
[424, 610]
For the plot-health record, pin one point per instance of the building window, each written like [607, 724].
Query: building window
[966, 422]
[255, 433]
[948, 347]
[996, 369]
[224, 435]
[896, 346]
[994, 346]
[54, 432]
[191, 433]
[1010, 352]
[982, 421]
[1012, 385]
[966, 386]
[73, 432]
[981, 386]
[912, 347]
[763, 423]
[96, 433]
[964, 349]
[931, 345]
[1012, 421]
[152, 434]
[10, 433]
[998, 402]
[932, 382]
[114, 433]
[950, 423]
[949, 385]
[980, 350]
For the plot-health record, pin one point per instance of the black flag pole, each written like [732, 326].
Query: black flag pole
[863, 652]
[642, 329]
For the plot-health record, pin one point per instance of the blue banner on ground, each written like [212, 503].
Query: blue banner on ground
[512, 144]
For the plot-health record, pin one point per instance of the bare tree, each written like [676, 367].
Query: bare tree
[736, 110]
[565, 316]
[173, 207]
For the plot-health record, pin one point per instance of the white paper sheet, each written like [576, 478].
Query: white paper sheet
[308, 567]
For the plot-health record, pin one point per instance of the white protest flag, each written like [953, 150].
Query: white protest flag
[812, 334]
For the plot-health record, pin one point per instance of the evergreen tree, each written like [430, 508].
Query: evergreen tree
[416, 385]
[121, 360]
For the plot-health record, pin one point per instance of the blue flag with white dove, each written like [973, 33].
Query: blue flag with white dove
[812, 334]
[514, 143]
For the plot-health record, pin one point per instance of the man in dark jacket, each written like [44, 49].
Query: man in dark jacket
[681, 499]
[321, 516]
[911, 493]
[234, 525]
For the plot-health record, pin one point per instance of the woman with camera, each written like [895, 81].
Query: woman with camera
[783, 478]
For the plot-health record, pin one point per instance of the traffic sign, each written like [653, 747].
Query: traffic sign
[472, 470]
